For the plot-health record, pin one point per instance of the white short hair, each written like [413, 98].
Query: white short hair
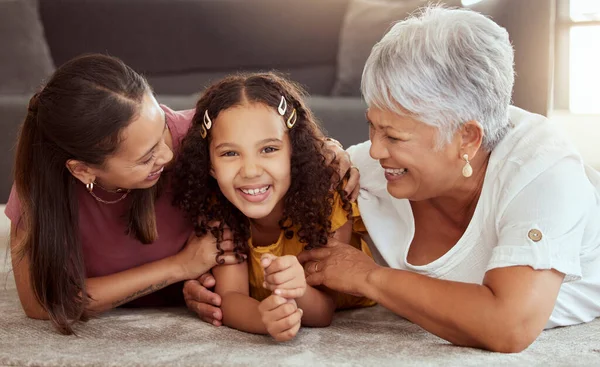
[444, 67]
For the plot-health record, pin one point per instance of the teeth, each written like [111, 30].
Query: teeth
[255, 191]
[395, 171]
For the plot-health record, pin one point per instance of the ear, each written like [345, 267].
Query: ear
[471, 134]
[212, 172]
[81, 171]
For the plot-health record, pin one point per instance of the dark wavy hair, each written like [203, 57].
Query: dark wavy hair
[79, 114]
[309, 200]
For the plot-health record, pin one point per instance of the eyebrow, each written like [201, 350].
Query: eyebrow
[155, 145]
[262, 142]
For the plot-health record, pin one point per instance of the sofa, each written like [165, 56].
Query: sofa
[183, 45]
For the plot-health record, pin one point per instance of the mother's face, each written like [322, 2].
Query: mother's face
[144, 150]
[415, 168]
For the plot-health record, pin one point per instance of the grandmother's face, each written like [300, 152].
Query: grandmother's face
[406, 149]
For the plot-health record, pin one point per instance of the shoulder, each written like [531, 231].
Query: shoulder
[179, 123]
[534, 147]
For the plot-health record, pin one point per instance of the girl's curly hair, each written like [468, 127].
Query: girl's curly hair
[309, 201]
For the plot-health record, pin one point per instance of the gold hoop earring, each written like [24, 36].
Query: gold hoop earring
[467, 170]
[90, 187]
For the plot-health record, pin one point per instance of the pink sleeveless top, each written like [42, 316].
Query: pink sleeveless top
[107, 249]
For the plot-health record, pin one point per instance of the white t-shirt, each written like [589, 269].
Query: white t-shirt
[540, 206]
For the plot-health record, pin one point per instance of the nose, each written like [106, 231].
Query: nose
[251, 168]
[164, 155]
[378, 148]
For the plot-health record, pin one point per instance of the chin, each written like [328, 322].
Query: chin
[399, 191]
[255, 212]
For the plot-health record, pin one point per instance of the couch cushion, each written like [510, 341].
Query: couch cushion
[162, 38]
[24, 57]
[365, 23]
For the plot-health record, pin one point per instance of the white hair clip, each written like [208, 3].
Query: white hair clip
[207, 121]
[282, 108]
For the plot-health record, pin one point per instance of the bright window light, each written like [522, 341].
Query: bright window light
[584, 73]
[582, 10]
[469, 2]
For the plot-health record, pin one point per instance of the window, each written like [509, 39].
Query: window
[577, 61]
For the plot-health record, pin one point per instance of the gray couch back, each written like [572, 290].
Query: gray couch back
[180, 46]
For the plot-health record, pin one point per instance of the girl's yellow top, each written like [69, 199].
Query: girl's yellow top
[293, 246]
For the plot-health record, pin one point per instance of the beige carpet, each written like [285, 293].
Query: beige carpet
[174, 337]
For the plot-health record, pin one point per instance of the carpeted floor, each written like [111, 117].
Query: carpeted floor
[174, 337]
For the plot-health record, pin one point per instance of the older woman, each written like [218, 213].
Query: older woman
[485, 215]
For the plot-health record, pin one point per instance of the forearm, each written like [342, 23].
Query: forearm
[318, 308]
[113, 290]
[241, 312]
[464, 314]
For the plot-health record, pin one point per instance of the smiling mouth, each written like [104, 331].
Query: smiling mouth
[257, 191]
[158, 172]
[395, 171]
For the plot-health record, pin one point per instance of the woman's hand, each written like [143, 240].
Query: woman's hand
[200, 254]
[338, 266]
[284, 276]
[200, 299]
[282, 317]
[342, 158]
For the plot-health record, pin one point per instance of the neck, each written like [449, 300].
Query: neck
[459, 203]
[271, 221]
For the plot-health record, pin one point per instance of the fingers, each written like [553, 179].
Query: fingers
[207, 280]
[207, 313]
[278, 264]
[289, 326]
[266, 260]
[272, 302]
[352, 187]
[290, 293]
[192, 290]
[317, 254]
[226, 245]
[315, 279]
[343, 161]
[229, 258]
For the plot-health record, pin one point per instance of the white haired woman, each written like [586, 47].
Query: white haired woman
[486, 218]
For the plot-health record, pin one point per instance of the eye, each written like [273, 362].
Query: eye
[229, 154]
[394, 140]
[269, 150]
[147, 161]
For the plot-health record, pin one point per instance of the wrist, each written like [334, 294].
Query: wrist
[177, 271]
[373, 282]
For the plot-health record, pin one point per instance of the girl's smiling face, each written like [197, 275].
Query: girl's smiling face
[250, 154]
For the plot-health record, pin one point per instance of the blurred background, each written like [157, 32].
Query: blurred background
[181, 46]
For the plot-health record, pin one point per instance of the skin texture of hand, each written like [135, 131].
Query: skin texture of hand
[282, 317]
[344, 165]
[337, 266]
[201, 300]
[202, 251]
[284, 276]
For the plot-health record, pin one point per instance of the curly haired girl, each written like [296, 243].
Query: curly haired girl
[254, 161]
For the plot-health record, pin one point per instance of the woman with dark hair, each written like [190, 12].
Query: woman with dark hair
[93, 225]
[255, 160]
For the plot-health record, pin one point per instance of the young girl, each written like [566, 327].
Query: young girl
[254, 161]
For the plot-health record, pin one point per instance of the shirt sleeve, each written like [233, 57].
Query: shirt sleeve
[543, 224]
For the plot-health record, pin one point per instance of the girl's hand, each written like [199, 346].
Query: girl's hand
[200, 254]
[282, 317]
[284, 276]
